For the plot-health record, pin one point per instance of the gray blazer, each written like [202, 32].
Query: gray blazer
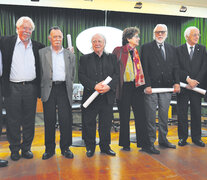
[46, 72]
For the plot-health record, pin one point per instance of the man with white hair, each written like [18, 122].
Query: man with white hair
[161, 71]
[21, 86]
[192, 65]
[93, 69]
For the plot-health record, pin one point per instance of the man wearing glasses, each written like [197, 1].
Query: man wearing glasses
[161, 71]
[192, 65]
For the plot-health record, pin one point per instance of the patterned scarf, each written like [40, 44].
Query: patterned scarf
[139, 75]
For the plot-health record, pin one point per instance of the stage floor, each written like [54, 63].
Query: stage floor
[188, 162]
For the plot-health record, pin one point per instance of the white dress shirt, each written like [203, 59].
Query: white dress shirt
[23, 63]
[58, 65]
[189, 49]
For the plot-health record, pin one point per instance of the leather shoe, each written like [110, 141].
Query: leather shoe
[126, 148]
[89, 153]
[68, 154]
[109, 152]
[15, 156]
[167, 145]
[150, 150]
[47, 155]
[27, 154]
[182, 142]
[199, 143]
[3, 163]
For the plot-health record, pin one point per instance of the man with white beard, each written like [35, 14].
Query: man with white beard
[161, 71]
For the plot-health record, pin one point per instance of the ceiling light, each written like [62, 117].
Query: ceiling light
[138, 5]
[183, 9]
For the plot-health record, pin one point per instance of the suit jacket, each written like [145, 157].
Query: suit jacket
[47, 72]
[88, 78]
[195, 68]
[7, 54]
[159, 73]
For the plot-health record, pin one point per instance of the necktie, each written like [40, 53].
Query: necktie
[162, 52]
[191, 53]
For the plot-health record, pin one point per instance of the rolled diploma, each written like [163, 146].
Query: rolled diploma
[69, 41]
[96, 93]
[196, 89]
[162, 90]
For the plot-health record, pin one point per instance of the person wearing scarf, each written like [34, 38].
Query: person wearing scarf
[130, 91]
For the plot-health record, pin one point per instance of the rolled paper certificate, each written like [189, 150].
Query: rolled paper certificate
[95, 94]
[162, 90]
[69, 41]
[196, 89]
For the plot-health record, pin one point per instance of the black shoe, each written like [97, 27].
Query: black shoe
[199, 143]
[15, 156]
[109, 152]
[150, 150]
[182, 142]
[126, 148]
[3, 163]
[68, 154]
[47, 155]
[27, 154]
[89, 153]
[167, 145]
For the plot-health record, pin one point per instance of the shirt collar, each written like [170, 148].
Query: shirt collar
[188, 46]
[61, 51]
[19, 41]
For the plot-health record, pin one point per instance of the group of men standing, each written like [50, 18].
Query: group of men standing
[31, 70]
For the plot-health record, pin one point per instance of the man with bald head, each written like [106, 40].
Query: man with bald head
[192, 64]
[21, 86]
[57, 75]
[93, 69]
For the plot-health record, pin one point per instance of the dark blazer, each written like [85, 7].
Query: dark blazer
[47, 72]
[159, 73]
[195, 68]
[7, 54]
[88, 74]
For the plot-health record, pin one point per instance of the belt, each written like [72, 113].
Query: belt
[58, 82]
[24, 82]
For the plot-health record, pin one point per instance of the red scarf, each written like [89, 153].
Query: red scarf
[139, 75]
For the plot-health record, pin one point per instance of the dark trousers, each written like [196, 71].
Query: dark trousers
[21, 109]
[195, 111]
[132, 97]
[104, 111]
[58, 100]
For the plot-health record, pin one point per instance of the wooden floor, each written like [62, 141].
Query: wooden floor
[188, 162]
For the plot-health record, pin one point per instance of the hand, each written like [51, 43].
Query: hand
[192, 83]
[102, 88]
[148, 90]
[176, 88]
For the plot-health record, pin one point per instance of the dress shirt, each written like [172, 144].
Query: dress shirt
[189, 49]
[23, 63]
[58, 65]
[1, 65]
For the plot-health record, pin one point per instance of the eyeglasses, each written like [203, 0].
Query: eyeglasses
[136, 37]
[158, 32]
[194, 35]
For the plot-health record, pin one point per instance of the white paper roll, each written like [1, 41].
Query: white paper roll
[95, 94]
[196, 89]
[69, 41]
[162, 90]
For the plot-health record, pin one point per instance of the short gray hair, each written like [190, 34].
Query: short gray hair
[162, 25]
[21, 20]
[101, 36]
[188, 30]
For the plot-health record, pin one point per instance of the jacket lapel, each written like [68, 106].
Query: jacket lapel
[48, 56]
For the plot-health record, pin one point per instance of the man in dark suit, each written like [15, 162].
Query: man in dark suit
[192, 64]
[57, 75]
[93, 69]
[161, 71]
[3, 163]
[21, 86]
